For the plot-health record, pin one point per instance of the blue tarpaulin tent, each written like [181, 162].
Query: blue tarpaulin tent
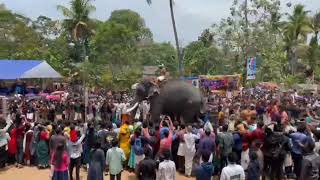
[26, 69]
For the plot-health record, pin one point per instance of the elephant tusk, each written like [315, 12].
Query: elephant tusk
[132, 108]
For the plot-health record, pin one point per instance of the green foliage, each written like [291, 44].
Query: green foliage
[16, 36]
[280, 46]
[77, 27]
[79, 11]
[133, 21]
[158, 53]
[114, 43]
[295, 33]
[298, 25]
[200, 59]
[123, 44]
[118, 48]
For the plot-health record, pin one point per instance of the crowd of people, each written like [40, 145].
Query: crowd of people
[254, 135]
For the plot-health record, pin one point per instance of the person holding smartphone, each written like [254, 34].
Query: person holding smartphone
[166, 137]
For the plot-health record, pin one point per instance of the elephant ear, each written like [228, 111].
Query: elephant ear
[153, 90]
[141, 92]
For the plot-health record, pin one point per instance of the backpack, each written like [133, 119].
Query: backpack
[137, 147]
[227, 143]
[277, 149]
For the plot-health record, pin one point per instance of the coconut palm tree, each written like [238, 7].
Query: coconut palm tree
[295, 33]
[77, 25]
[179, 52]
[77, 16]
[314, 48]
[316, 27]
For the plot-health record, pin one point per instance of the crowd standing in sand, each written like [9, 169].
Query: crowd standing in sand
[253, 135]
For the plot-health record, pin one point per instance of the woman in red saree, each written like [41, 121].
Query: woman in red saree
[12, 146]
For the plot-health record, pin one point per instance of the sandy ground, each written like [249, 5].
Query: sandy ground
[32, 173]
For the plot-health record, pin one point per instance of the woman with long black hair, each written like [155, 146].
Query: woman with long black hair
[20, 132]
[97, 163]
[89, 143]
[42, 148]
[59, 163]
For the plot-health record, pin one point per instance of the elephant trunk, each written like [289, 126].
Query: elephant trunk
[156, 104]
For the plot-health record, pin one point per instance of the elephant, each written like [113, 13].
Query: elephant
[175, 98]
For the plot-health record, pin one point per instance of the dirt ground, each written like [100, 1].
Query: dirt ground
[32, 173]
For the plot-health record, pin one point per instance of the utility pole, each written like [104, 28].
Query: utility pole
[179, 51]
[80, 33]
[246, 40]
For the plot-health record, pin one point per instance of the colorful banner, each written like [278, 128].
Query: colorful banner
[192, 80]
[222, 82]
[251, 68]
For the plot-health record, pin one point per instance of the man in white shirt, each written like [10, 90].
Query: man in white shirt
[114, 159]
[229, 94]
[124, 107]
[233, 171]
[190, 150]
[167, 168]
[117, 109]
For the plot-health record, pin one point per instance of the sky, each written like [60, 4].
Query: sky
[192, 16]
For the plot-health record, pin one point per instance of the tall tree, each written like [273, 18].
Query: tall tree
[47, 27]
[264, 38]
[134, 22]
[179, 52]
[203, 56]
[79, 11]
[295, 32]
[77, 25]
[159, 53]
[314, 49]
[116, 43]
[18, 39]
[316, 25]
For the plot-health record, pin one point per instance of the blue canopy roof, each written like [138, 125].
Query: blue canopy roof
[22, 69]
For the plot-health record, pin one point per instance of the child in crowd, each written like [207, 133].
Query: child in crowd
[59, 163]
[254, 170]
[205, 170]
